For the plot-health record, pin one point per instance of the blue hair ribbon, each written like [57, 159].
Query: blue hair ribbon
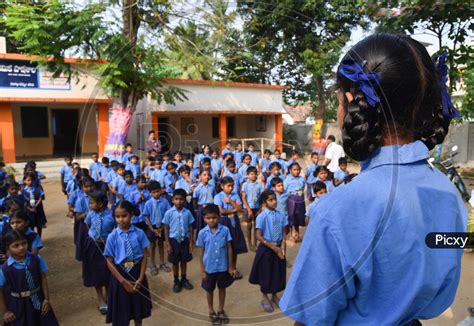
[365, 80]
[449, 110]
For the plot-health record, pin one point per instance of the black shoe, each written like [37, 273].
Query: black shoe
[177, 286]
[186, 284]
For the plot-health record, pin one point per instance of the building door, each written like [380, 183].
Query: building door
[65, 132]
[164, 134]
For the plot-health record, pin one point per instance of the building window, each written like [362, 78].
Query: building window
[34, 122]
[231, 127]
[215, 127]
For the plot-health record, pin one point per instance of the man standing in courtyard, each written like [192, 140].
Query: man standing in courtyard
[334, 151]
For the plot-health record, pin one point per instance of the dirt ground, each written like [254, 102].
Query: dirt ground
[76, 305]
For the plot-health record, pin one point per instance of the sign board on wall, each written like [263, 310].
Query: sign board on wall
[26, 74]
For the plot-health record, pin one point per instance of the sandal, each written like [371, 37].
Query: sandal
[267, 306]
[154, 270]
[223, 318]
[214, 319]
[165, 267]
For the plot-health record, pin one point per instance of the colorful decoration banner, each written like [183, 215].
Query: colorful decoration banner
[119, 124]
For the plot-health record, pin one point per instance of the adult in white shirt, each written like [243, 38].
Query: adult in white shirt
[334, 151]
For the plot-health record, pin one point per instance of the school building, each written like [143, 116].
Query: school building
[44, 117]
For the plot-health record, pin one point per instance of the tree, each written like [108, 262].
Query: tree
[131, 65]
[300, 43]
[448, 21]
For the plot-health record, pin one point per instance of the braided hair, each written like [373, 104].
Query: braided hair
[409, 91]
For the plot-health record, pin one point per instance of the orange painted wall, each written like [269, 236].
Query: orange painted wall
[222, 130]
[103, 126]
[6, 128]
[278, 131]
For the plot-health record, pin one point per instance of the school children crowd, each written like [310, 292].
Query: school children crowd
[123, 211]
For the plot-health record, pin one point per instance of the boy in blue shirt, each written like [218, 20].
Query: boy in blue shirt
[341, 173]
[66, 173]
[251, 191]
[231, 171]
[154, 211]
[254, 155]
[94, 167]
[179, 239]
[216, 261]
[133, 165]
[105, 169]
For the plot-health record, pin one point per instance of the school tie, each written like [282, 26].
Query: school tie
[275, 227]
[253, 196]
[129, 252]
[157, 211]
[180, 234]
[98, 227]
[35, 300]
[210, 200]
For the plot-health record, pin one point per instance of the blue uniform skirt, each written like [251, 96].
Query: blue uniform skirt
[296, 210]
[80, 235]
[268, 270]
[238, 240]
[94, 265]
[38, 218]
[124, 306]
[200, 224]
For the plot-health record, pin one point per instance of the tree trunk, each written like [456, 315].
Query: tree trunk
[321, 110]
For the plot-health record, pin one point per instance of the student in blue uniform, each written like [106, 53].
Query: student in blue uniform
[269, 265]
[99, 223]
[126, 186]
[216, 262]
[206, 166]
[238, 153]
[203, 195]
[251, 191]
[275, 172]
[139, 197]
[133, 165]
[312, 166]
[282, 162]
[246, 160]
[230, 206]
[13, 190]
[293, 159]
[217, 164]
[231, 171]
[319, 189]
[323, 174]
[34, 196]
[166, 160]
[126, 251]
[19, 221]
[265, 164]
[94, 167]
[159, 173]
[341, 174]
[178, 160]
[384, 274]
[294, 186]
[117, 182]
[128, 153]
[154, 211]
[179, 239]
[149, 166]
[227, 149]
[205, 153]
[281, 196]
[184, 182]
[253, 155]
[105, 169]
[66, 172]
[24, 291]
[170, 179]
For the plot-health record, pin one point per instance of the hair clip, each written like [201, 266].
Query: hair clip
[449, 110]
[365, 80]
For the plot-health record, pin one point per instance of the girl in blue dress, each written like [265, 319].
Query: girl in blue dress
[34, 196]
[294, 186]
[365, 261]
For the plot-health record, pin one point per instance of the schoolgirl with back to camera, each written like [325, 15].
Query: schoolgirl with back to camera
[391, 113]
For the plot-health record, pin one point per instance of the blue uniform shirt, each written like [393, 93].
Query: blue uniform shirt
[66, 172]
[204, 194]
[37, 243]
[178, 223]
[219, 200]
[237, 181]
[216, 166]
[81, 203]
[271, 222]
[135, 168]
[254, 158]
[310, 170]
[100, 224]
[252, 190]
[111, 176]
[134, 198]
[340, 175]
[238, 157]
[374, 267]
[104, 171]
[225, 151]
[169, 182]
[243, 171]
[115, 245]
[156, 209]
[215, 248]
[282, 163]
[124, 188]
[282, 203]
[94, 169]
[21, 265]
[159, 176]
[265, 164]
[183, 184]
[268, 184]
[294, 184]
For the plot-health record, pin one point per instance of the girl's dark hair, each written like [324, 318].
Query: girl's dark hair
[227, 180]
[9, 203]
[276, 181]
[265, 195]
[184, 168]
[13, 185]
[21, 214]
[105, 160]
[206, 160]
[251, 169]
[129, 173]
[273, 165]
[99, 196]
[13, 236]
[86, 180]
[230, 162]
[211, 209]
[29, 175]
[267, 151]
[318, 185]
[409, 92]
[179, 193]
[128, 206]
[171, 165]
[322, 168]
[154, 185]
[292, 165]
[245, 156]
[142, 179]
